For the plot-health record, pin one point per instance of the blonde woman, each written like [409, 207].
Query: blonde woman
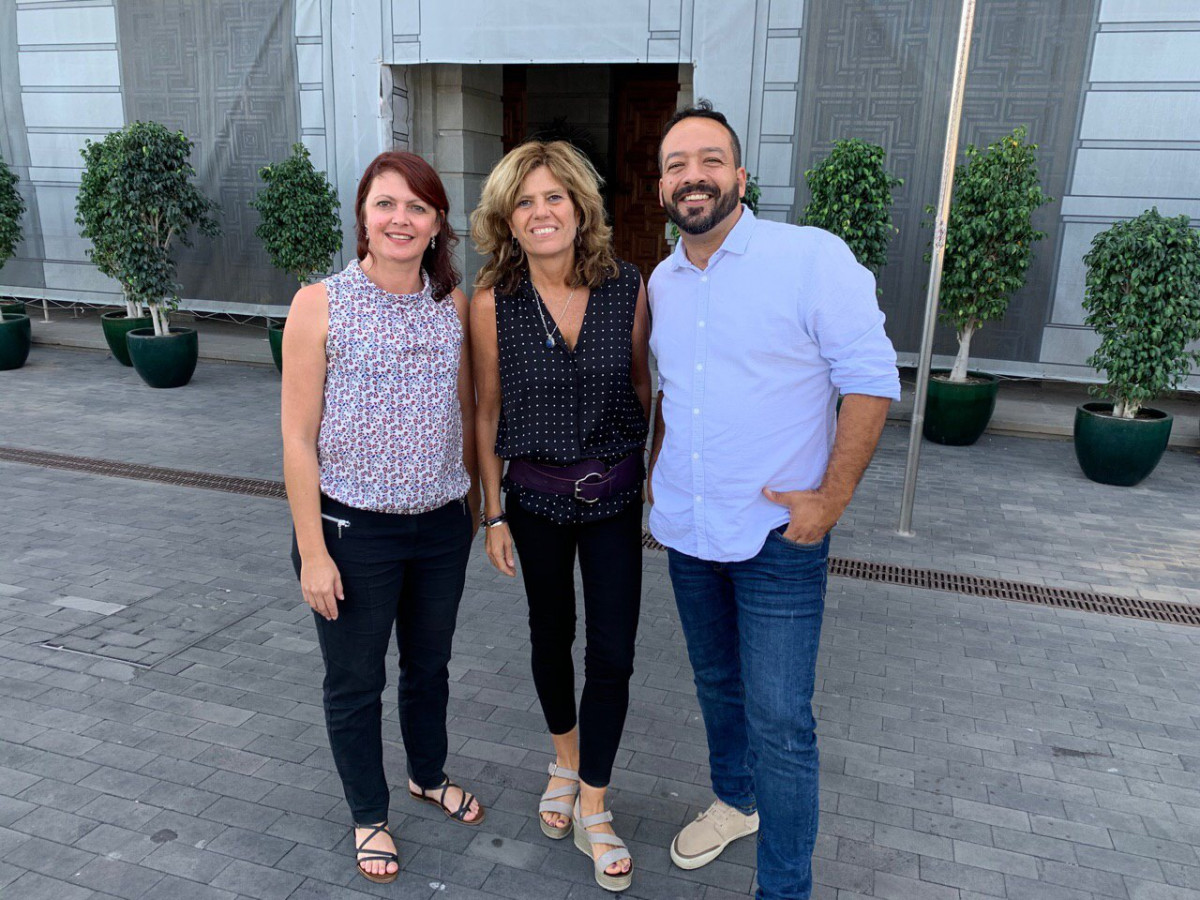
[560, 332]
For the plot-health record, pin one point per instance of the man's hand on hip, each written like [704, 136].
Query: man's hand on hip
[813, 513]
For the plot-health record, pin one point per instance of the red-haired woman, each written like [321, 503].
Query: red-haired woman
[379, 461]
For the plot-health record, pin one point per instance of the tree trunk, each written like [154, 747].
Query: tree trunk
[1126, 409]
[156, 314]
[959, 372]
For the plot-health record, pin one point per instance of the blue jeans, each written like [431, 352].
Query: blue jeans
[752, 630]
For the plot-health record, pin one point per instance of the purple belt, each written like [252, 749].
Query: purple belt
[588, 481]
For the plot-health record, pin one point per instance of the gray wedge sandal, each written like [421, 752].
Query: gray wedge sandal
[584, 840]
[551, 802]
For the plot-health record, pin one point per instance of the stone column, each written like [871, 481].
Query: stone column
[457, 124]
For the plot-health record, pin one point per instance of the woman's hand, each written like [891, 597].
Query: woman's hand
[499, 542]
[322, 586]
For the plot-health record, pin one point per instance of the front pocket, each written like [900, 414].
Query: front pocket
[795, 545]
[340, 523]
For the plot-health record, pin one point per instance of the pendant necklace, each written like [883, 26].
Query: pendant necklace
[541, 315]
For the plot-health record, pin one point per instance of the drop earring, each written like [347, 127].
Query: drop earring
[433, 242]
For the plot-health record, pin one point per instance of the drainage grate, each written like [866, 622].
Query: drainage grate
[253, 487]
[649, 542]
[1018, 591]
[930, 579]
[1003, 589]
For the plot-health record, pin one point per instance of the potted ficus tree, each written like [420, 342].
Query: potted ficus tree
[97, 199]
[989, 247]
[15, 333]
[160, 205]
[300, 227]
[1143, 301]
[851, 196]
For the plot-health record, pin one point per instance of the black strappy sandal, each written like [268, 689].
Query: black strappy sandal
[362, 855]
[464, 808]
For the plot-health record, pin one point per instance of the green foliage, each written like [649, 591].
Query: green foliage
[11, 209]
[95, 202]
[753, 193]
[990, 235]
[852, 197]
[1143, 300]
[300, 226]
[141, 201]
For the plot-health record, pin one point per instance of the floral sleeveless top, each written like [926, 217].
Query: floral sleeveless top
[391, 432]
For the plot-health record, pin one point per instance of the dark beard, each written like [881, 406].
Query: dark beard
[726, 202]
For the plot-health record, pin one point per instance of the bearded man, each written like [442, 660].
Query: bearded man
[757, 327]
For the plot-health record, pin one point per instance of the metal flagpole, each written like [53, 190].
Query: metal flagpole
[935, 267]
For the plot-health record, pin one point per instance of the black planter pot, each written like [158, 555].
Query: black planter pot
[1119, 451]
[164, 361]
[15, 339]
[13, 308]
[957, 414]
[275, 339]
[116, 326]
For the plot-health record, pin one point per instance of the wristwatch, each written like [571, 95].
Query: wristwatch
[498, 520]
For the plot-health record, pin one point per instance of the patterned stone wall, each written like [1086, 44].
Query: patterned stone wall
[880, 71]
[224, 72]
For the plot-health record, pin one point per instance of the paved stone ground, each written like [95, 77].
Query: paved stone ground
[971, 748]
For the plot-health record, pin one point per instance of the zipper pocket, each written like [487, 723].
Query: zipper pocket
[340, 523]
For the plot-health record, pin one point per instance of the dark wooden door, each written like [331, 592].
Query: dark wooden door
[514, 96]
[644, 98]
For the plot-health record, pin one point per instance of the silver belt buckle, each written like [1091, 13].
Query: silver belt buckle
[579, 483]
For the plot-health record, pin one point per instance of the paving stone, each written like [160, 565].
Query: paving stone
[114, 842]
[47, 857]
[55, 825]
[176, 888]
[59, 795]
[971, 747]
[176, 858]
[497, 849]
[32, 886]
[261, 882]
[121, 879]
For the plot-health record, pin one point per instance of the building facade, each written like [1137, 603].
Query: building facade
[1109, 89]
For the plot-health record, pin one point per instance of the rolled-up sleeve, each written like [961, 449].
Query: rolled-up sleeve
[840, 311]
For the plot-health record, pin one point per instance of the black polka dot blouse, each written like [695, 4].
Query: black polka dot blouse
[560, 406]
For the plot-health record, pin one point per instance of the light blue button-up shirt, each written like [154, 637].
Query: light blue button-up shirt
[752, 352]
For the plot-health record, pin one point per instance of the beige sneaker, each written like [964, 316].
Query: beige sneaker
[702, 841]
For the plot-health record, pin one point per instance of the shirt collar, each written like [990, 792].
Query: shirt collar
[736, 241]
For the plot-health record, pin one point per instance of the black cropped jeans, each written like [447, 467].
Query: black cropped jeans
[610, 561]
[401, 572]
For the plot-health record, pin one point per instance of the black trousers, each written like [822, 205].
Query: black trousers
[610, 561]
[402, 572]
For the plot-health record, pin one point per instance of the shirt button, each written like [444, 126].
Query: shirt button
[695, 456]
[701, 323]
[699, 499]
[699, 367]
[695, 411]
[704, 278]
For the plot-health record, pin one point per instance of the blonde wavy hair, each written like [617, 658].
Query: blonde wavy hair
[506, 263]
